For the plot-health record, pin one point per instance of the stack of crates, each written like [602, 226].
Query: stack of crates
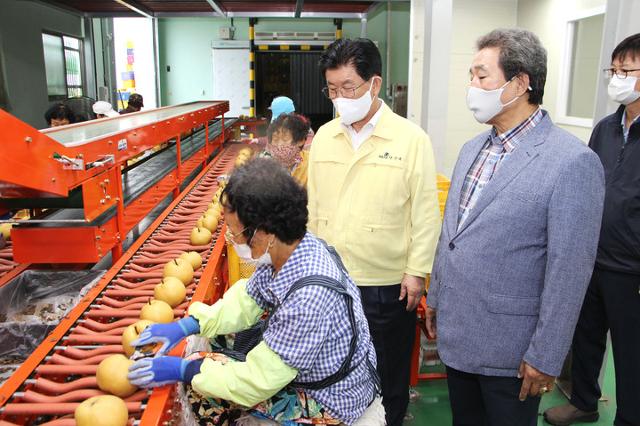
[238, 268]
[443, 183]
[428, 352]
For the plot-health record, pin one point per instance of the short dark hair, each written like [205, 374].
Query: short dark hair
[135, 100]
[629, 47]
[362, 53]
[59, 111]
[266, 197]
[520, 53]
[295, 123]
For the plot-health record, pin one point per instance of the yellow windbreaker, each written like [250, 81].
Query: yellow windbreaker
[377, 206]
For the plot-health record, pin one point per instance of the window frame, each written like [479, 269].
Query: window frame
[80, 51]
[566, 63]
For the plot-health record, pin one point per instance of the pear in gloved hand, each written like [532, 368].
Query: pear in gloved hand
[169, 334]
[162, 370]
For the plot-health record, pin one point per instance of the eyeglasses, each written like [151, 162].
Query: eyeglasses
[231, 237]
[345, 92]
[610, 72]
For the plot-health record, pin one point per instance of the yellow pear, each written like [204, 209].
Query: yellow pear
[170, 290]
[210, 222]
[214, 208]
[112, 375]
[102, 410]
[132, 332]
[5, 230]
[200, 236]
[211, 212]
[157, 311]
[218, 194]
[194, 258]
[246, 151]
[179, 268]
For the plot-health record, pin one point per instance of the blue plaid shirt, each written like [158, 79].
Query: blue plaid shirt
[311, 331]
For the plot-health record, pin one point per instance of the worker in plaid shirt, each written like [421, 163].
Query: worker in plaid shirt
[316, 362]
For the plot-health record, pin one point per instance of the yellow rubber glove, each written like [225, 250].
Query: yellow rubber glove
[247, 383]
[236, 311]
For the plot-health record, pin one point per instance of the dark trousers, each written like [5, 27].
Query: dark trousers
[478, 400]
[612, 303]
[392, 330]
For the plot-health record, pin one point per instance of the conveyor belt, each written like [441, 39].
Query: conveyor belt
[138, 179]
[66, 376]
[75, 135]
[135, 181]
[9, 268]
[6, 259]
[141, 177]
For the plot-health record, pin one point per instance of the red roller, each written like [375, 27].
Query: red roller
[51, 369]
[63, 360]
[55, 388]
[84, 339]
[113, 332]
[78, 353]
[100, 326]
[54, 408]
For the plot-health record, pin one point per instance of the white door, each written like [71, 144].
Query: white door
[231, 79]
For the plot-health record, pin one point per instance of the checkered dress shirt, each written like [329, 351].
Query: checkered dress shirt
[311, 331]
[495, 150]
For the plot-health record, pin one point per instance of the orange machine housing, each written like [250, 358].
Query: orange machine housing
[51, 163]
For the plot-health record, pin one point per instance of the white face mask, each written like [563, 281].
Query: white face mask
[265, 259]
[244, 252]
[622, 90]
[486, 104]
[353, 110]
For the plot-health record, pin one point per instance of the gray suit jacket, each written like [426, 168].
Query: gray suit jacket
[508, 284]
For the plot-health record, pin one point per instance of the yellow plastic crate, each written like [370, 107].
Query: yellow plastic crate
[238, 268]
[442, 182]
[441, 205]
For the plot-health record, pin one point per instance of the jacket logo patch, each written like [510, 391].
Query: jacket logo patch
[387, 156]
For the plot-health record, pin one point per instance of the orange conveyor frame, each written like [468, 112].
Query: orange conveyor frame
[39, 164]
[60, 373]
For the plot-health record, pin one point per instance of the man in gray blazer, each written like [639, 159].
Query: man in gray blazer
[518, 242]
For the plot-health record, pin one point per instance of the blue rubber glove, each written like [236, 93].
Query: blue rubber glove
[162, 370]
[168, 334]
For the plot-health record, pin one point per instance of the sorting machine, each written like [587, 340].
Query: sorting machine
[81, 175]
[78, 175]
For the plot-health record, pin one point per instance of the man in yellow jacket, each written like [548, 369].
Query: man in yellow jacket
[372, 195]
